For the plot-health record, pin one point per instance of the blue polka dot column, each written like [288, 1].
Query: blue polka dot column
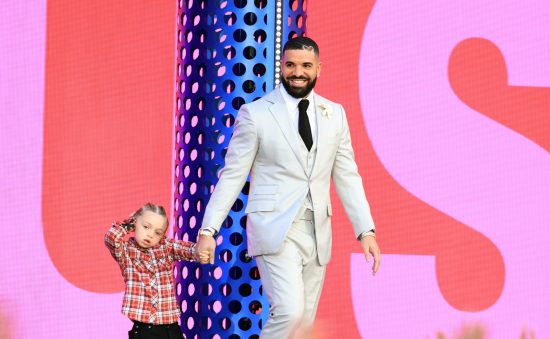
[228, 53]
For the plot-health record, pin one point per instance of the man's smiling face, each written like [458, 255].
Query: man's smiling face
[300, 69]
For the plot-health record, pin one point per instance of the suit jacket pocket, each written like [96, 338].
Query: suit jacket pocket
[264, 190]
[260, 205]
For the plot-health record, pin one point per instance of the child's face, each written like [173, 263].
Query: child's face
[150, 228]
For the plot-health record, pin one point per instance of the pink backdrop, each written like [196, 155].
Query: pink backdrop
[449, 107]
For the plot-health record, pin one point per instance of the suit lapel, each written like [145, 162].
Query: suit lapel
[279, 112]
[323, 126]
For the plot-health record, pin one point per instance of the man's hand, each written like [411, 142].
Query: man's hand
[208, 244]
[371, 249]
[202, 257]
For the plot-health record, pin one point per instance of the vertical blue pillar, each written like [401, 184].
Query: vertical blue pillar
[228, 53]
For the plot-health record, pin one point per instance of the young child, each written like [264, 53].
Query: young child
[146, 262]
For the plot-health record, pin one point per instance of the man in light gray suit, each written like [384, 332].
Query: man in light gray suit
[292, 142]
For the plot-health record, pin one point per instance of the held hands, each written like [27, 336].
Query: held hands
[206, 244]
[201, 257]
[205, 248]
[371, 249]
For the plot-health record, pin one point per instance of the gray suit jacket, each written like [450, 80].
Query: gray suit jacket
[266, 144]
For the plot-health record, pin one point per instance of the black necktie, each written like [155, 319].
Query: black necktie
[303, 124]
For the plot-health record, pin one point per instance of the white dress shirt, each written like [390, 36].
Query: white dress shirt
[292, 109]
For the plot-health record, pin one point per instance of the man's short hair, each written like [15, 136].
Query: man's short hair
[301, 42]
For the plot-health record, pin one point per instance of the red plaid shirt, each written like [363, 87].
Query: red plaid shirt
[148, 274]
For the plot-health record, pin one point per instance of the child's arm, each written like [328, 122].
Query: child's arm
[181, 250]
[114, 240]
[185, 250]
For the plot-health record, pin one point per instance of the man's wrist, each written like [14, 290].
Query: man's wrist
[369, 233]
[207, 232]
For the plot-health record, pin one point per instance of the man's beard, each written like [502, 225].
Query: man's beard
[298, 93]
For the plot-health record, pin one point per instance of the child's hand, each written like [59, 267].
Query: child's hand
[129, 224]
[204, 257]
